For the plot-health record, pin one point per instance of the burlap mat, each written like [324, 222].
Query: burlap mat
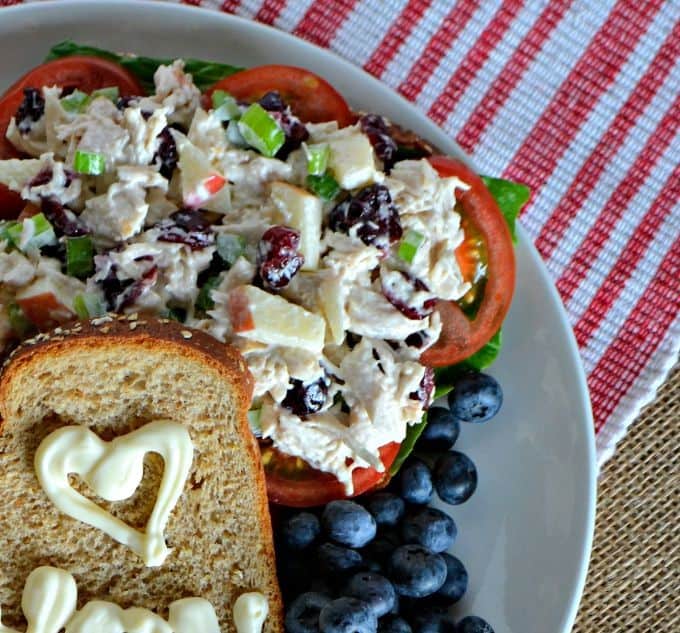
[634, 578]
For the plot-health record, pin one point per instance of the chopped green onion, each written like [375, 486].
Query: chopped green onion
[409, 245]
[254, 416]
[88, 305]
[111, 92]
[75, 102]
[325, 186]
[219, 97]
[78, 101]
[79, 256]
[261, 130]
[204, 301]
[230, 247]
[89, 163]
[234, 135]
[34, 232]
[5, 230]
[225, 106]
[18, 321]
[317, 158]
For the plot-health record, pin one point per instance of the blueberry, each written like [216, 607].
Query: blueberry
[386, 508]
[432, 619]
[473, 624]
[455, 477]
[303, 613]
[441, 431]
[456, 582]
[373, 589]
[430, 528]
[347, 615]
[415, 482]
[392, 623]
[416, 571]
[334, 559]
[475, 397]
[347, 523]
[300, 530]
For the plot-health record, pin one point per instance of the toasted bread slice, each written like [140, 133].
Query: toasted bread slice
[115, 375]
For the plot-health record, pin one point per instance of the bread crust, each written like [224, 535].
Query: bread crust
[152, 333]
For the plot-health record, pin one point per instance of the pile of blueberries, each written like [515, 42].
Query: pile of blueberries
[379, 564]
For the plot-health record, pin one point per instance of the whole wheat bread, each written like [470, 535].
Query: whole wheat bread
[114, 375]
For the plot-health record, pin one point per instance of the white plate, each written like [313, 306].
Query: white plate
[525, 536]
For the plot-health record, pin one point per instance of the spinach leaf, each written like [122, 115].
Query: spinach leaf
[510, 196]
[412, 434]
[444, 377]
[205, 73]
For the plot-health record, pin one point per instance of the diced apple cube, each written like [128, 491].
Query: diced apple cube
[16, 173]
[300, 210]
[352, 161]
[199, 180]
[47, 303]
[260, 316]
[332, 296]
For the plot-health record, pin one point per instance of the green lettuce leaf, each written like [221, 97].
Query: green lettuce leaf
[412, 434]
[205, 73]
[510, 196]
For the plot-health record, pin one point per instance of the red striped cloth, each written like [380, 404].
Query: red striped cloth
[581, 101]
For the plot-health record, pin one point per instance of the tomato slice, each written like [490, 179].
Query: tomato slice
[292, 482]
[78, 72]
[462, 336]
[309, 96]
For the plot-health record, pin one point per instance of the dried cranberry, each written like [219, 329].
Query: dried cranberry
[370, 215]
[303, 399]
[55, 251]
[64, 221]
[121, 294]
[296, 134]
[187, 226]
[135, 289]
[41, 178]
[417, 339]
[272, 102]
[425, 389]
[278, 256]
[410, 310]
[32, 109]
[126, 102]
[385, 147]
[166, 153]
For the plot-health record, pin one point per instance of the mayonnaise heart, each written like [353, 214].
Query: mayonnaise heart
[114, 470]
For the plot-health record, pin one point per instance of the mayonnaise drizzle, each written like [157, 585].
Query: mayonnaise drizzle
[114, 470]
[49, 605]
[250, 612]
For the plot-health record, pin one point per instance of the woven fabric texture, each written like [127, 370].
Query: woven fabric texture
[634, 577]
[579, 100]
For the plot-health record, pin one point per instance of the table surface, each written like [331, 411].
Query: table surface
[634, 576]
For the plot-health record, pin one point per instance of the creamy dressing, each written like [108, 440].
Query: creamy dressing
[114, 470]
[307, 332]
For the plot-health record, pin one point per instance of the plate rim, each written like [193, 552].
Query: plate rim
[436, 134]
